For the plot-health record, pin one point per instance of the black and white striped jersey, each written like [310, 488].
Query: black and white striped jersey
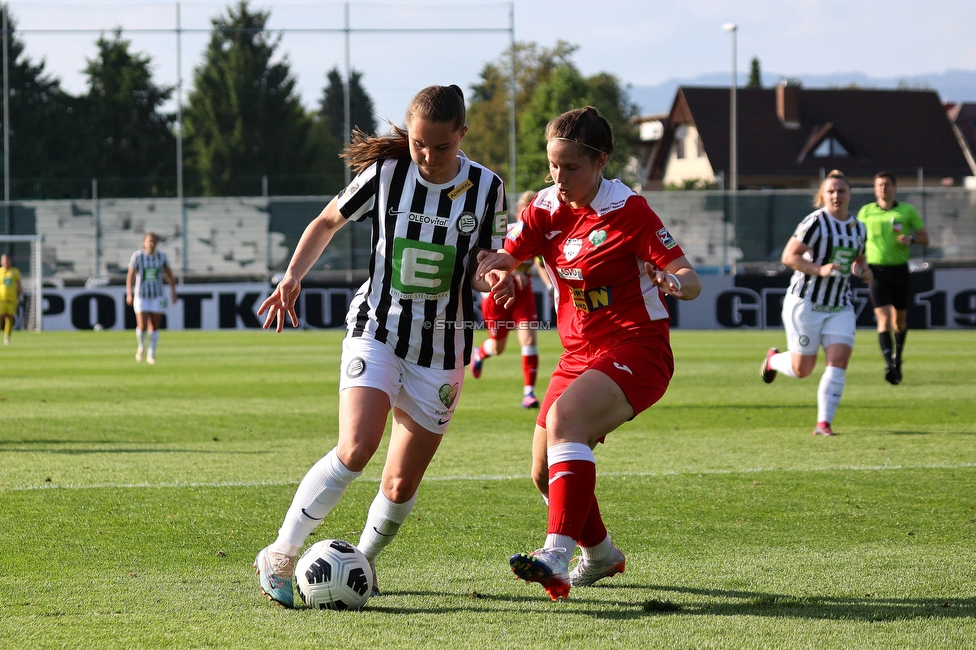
[418, 297]
[149, 273]
[831, 241]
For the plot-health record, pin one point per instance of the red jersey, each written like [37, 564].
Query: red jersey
[595, 256]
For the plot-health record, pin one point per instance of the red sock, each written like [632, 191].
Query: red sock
[530, 367]
[571, 485]
[594, 531]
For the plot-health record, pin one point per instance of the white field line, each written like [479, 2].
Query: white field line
[704, 472]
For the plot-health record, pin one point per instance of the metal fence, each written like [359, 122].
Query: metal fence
[254, 237]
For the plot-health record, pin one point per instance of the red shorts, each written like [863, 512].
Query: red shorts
[499, 320]
[641, 367]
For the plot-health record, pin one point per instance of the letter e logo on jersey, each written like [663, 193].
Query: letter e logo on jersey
[666, 238]
[844, 257]
[421, 270]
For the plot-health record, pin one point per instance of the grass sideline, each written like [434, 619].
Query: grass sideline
[134, 499]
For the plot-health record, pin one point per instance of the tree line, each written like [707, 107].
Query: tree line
[243, 121]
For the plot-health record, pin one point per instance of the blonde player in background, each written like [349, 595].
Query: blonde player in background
[10, 290]
[144, 292]
[826, 249]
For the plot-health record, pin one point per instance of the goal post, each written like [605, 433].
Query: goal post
[25, 254]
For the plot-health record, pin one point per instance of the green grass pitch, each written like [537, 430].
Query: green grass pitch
[133, 499]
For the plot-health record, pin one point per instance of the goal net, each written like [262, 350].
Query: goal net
[25, 255]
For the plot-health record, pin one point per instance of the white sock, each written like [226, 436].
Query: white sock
[829, 392]
[153, 340]
[382, 523]
[141, 338]
[782, 362]
[562, 544]
[599, 552]
[317, 495]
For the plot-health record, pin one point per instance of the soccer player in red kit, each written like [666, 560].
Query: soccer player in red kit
[613, 260]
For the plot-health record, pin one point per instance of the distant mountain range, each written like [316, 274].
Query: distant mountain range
[954, 85]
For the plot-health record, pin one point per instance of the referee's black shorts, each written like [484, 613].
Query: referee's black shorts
[891, 286]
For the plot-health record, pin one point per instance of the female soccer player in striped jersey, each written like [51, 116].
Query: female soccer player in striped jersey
[409, 328]
[144, 291]
[612, 260]
[826, 248]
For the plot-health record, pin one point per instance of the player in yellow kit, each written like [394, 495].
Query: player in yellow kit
[10, 290]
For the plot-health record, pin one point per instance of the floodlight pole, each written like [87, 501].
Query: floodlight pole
[347, 102]
[179, 146]
[733, 128]
[511, 105]
[6, 124]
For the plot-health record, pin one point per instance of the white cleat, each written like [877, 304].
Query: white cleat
[586, 573]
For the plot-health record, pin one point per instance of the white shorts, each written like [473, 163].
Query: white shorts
[149, 305]
[428, 395]
[809, 325]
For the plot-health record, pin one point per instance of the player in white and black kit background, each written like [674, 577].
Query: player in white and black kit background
[145, 293]
[826, 248]
[409, 328]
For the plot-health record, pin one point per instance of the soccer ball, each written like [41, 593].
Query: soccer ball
[333, 574]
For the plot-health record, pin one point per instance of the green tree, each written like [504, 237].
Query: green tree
[243, 118]
[755, 74]
[327, 132]
[332, 106]
[49, 152]
[565, 90]
[488, 112]
[132, 139]
[547, 84]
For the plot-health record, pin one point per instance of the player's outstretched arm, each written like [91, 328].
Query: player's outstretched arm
[316, 237]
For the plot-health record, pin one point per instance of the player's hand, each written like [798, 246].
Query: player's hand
[493, 260]
[281, 301]
[827, 270]
[503, 287]
[666, 282]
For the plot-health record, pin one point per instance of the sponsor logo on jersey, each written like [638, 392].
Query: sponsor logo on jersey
[356, 368]
[421, 270]
[592, 299]
[597, 237]
[844, 257]
[515, 230]
[571, 248]
[416, 217]
[501, 223]
[666, 238]
[447, 394]
[570, 274]
[350, 190]
[467, 223]
[616, 205]
[460, 189]
[395, 213]
[552, 234]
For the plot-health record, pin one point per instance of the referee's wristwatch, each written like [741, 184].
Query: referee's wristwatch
[911, 239]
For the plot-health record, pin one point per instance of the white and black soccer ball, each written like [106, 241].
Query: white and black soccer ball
[333, 574]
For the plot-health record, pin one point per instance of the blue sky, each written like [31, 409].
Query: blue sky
[642, 42]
